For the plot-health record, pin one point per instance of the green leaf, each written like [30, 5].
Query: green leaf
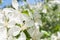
[18, 24]
[46, 1]
[57, 28]
[25, 12]
[46, 34]
[17, 36]
[55, 7]
[8, 29]
[25, 0]
[0, 1]
[27, 34]
[31, 10]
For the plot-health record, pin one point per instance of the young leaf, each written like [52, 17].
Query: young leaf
[17, 36]
[25, 12]
[27, 34]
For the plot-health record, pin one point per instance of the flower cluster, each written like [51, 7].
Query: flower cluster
[30, 22]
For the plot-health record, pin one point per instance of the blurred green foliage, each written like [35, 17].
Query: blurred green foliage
[0, 1]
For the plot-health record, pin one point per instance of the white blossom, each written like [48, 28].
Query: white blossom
[44, 10]
[22, 36]
[53, 37]
[13, 22]
[14, 31]
[58, 35]
[3, 33]
[15, 4]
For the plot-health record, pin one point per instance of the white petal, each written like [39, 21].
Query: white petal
[58, 33]
[3, 33]
[11, 23]
[36, 34]
[6, 10]
[14, 31]
[1, 15]
[22, 36]
[15, 4]
[10, 38]
[44, 11]
[31, 30]
[29, 23]
[53, 37]
[36, 16]
[1, 25]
